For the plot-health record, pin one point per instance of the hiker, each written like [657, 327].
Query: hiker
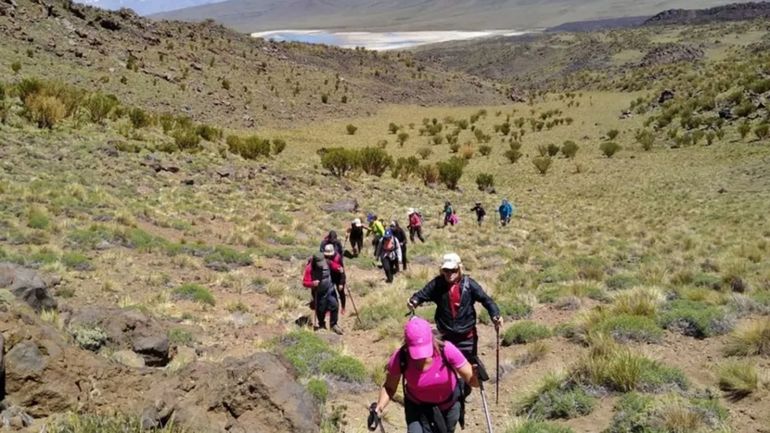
[356, 236]
[433, 374]
[334, 259]
[480, 212]
[376, 229]
[506, 212]
[388, 251]
[332, 239]
[415, 224]
[455, 295]
[318, 279]
[449, 214]
[399, 234]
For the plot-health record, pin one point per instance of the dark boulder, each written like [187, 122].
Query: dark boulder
[349, 205]
[154, 350]
[27, 285]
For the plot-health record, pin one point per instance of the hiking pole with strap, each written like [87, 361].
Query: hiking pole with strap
[485, 406]
[358, 319]
[497, 366]
[374, 420]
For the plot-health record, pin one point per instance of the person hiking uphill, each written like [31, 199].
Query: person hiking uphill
[506, 212]
[318, 279]
[449, 214]
[356, 236]
[432, 373]
[415, 224]
[332, 239]
[334, 260]
[376, 229]
[388, 251]
[399, 234]
[480, 212]
[455, 295]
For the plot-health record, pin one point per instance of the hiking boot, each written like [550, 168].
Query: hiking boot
[337, 330]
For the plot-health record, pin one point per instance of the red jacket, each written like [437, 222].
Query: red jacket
[307, 280]
[335, 264]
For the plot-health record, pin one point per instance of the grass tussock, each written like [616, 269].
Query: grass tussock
[525, 332]
[670, 413]
[531, 426]
[738, 379]
[750, 340]
[695, 319]
[85, 423]
[195, 292]
[311, 356]
[556, 397]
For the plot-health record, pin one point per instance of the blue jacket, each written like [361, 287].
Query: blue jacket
[506, 210]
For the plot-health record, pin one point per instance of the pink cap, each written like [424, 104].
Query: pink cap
[419, 338]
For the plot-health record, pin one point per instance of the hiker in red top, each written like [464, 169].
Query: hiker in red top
[334, 259]
[415, 224]
[317, 278]
[455, 295]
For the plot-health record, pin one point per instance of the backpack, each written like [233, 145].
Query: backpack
[388, 244]
[414, 220]
[457, 395]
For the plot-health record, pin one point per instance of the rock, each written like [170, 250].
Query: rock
[14, 417]
[27, 285]
[128, 358]
[2, 368]
[153, 349]
[227, 171]
[25, 361]
[671, 53]
[666, 95]
[350, 205]
[188, 182]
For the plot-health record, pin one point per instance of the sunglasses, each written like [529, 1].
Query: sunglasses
[450, 271]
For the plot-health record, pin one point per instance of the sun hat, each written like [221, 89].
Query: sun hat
[329, 250]
[451, 261]
[418, 336]
[410, 211]
[357, 222]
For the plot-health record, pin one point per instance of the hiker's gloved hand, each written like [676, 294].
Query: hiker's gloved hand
[498, 321]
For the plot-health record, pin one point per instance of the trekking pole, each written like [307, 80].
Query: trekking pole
[485, 406]
[353, 302]
[374, 420]
[497, 366]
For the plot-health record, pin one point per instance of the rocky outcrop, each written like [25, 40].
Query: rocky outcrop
[350, 205]
[47, 375]
[27, 285]
[671, 53]
[731, 12]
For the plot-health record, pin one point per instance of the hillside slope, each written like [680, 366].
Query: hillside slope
[214, 74]
[368, 15]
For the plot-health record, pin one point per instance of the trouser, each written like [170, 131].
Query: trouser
[390, 266]
[469, 346]
[505, 220]
[339, 280]
[375, 242]
[403, 255]
[416, 422]
[326, 300]
[415, 231]
[480, 219]
[357, 244]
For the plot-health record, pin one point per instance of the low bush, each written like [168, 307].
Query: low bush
[351, 129]
[38, 219]
[227, 255]
[626, 327]
[569, 149]
[372, 315]
[531, 426]
[44, 110]
[609, 148]
[762, 131]
[374, 161]
[279, 145]
[425, 152]
[668, 413]
[402, 137]
[339, 161]
[318, 388]
[646, 139]
[612, 134]
[208, 133]
[451, 171]
[194, 292]
[750, 339]
[251, 147]
[99, 106]
[138, 117]
[542, 164]
[525, 332]
[76, 261]
[86, 423]
[738, 379]
[180, 336]
[556, 397]
[429, 174]
[643, 301]
[485, 181]
[695, 319]
[485, 149]
[311, 355]
[89, 337]
[406, 167]
[621, 282]
[346, 368]
[186, 139]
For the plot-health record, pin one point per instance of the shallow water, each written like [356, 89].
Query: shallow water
[380, 41]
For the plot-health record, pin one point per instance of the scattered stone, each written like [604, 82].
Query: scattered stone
[188, 182]
[154, 350]
[666, 95]
[671, 53]
[27, 285]
[350, 205]
[128, 358]
[13, 417]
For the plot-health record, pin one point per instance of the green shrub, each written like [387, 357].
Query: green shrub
[750, 339]
[195, 292]
[318, 389]
[100, 106]
[485, 149]
[406, 167]
[372, 315]
[208, 133]
[37, 219]
[279, 145]
[668, 413]
[16, 67]
[138, 118]
[552, 150]
[393, 128]
[305, 351]
[762, 131]
[425, 152]
[695, 319]
[187, 139]
[612, 134]
[626, 327]
[76, 261]
[429, 174]
[346, 368]
[569, 149]
[251, 147]
[485, 181]
[744, 128]
[451, 171]
[646, 139]
[738, 379]
[542, 164]
[86, 423]
[89, 337]
[180, 336]
[609, 148]
[525, 332]
[556, 398]
[351, 129]
[402, 137]
[339, 161]
[227, 255]
[45, 111]
[374, 161]
[531, 426]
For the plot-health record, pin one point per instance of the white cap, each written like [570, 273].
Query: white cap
[410, 211]
[451, 261]
[329, 250]
[357, 222]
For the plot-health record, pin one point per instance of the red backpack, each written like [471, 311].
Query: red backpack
[414, 220]
[388, 244]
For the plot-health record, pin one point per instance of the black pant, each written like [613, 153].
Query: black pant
[403, 255]
[390, 266]
[326, 300]
[469, 346]
[415, 422]
[357, 244]
[415, 231]
[339, 280]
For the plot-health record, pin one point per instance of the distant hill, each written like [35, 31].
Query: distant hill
[146, 7]
[376, 15]
[731, 12]
[595, 25]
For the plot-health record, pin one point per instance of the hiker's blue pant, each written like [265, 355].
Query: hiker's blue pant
[415, 425]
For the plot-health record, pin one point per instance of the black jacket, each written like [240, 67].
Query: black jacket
[399, 234]
[437, 291]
